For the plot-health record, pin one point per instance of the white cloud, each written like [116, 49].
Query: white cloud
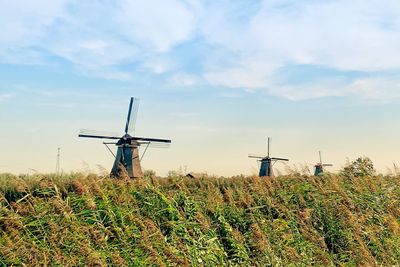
[92, 35]
[23, 22]
[158, 64]
[21, 56]
[95, 46]
[110, 74]
[94, 54]
[375, 89]
[346, 35]
[183, 79]
[4, 97]
[88, 40]
[251, 74]
[245, 44]
[157, 24]
[379, 89]
[318, 89]
[341, 35]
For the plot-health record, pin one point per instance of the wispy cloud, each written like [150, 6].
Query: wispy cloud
[170, 23]
[57, 105]
[232, 94]
[285, 33]
[4, 97]
[158, 64]
[244, 45]
[379, 89]
[183, 80]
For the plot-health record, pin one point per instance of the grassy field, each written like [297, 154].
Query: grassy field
[76, 220]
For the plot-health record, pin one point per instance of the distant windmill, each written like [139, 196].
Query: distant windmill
[267, 163]
[128, 145]
[319, 167]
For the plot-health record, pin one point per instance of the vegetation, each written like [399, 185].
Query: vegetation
[77, 220]
[362, 166]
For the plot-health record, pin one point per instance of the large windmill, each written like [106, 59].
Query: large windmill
[267, 163]
[127, 157]
[319, 167]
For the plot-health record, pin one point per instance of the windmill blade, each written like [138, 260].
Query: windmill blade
[282, 159]
[129, 116]
[151, 139]
[155, 144]
[132, 115]
[256, 156]
[327, 165]
[97, 134]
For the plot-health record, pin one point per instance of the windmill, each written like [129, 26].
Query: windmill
[319, 167]
[267, 163]
[127, 157]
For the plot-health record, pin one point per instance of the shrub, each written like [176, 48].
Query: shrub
[362, 166]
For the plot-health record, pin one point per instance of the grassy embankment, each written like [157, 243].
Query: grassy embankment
[87, 220]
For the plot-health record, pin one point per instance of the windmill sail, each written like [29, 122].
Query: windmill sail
[132, 115]
[155, 144]
[254, 156]
[151, 139]
[282, 159]
[98, 134]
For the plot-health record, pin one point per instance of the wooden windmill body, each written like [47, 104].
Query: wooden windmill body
[127, 158]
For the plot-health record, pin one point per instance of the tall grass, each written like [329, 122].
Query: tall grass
[86, 220]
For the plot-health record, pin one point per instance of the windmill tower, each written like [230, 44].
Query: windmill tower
[319, 167]
[267, 163]
[58, 161]
[127, 157]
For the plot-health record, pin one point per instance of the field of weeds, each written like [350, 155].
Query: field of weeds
[77, 220]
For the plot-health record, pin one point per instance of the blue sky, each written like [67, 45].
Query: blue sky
[217, 77]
